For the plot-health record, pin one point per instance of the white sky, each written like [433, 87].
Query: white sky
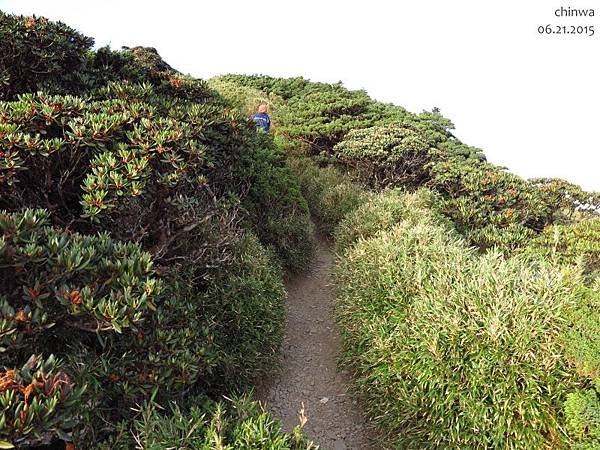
[530, 101]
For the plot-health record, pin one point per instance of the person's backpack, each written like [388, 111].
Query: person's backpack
[262, 120]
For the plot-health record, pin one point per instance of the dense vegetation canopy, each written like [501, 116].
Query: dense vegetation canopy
[145, 226]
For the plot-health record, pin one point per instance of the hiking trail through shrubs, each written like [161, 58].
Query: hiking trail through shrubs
[308, 375]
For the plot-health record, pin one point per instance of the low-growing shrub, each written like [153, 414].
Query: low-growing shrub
[244, 98]
[278, 211]
[577, 243]
[582, 409]
[339, 201]
[330, 195]
[383, 211]
[38, 402]
[248, 317]
[451, 349]
[126, 240]
[36, 54]
[231, 424]
[391, 155]
[566, 202]
[55, 284]
[489, 205]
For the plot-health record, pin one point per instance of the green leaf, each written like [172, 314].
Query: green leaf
[6, 444]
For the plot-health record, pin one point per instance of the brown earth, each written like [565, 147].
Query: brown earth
[308, 374]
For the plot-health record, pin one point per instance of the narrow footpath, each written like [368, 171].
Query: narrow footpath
[308, 375]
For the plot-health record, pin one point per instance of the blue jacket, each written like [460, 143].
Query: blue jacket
[262, 120]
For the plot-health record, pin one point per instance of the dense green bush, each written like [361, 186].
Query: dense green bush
[577, 243]
[490, 206]
[36, 53]
[38, 401]
[54, 283]
[583, 418]
[383, 211]
[219, 339]
[126, 241]
[459, 351]
[285, 88]
[97, 304]
[319, 115]
[245, 98]
[566, 202]
[278, 211]
[329, 193]
[237, 423]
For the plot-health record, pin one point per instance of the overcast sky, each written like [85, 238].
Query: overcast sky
[528, 100]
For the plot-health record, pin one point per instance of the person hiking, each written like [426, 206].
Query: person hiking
[261, 118]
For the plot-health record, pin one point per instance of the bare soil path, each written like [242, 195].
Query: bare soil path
[308, 375]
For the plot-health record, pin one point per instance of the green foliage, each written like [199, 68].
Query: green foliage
[577, 243]
[245, 98]
[386, 155]
[566, 201]
[146, 65]
[53, 281]
[323, 116]
[126, 243]
[382, 212]
[36, 53]
[339, 201]
[319, 114]
[278, 209]
[285, 88]
[582, 409]
[247, 320]
[238, 423]
[490, 206]
[459, 350]
[210, 341]
[329, 193]
[37, 401]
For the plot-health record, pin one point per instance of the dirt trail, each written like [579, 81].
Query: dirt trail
[309, 375]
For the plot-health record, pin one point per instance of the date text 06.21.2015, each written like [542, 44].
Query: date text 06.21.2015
[579, 22]
[585, 30]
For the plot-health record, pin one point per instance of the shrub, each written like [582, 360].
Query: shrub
[217, 339]
[566, 201]
[400, 153]
[238, 423]
[571, 244]
[459, 351]
[577, 245]
[328, 192]
[583, 419]
[126, 245]
[382, 212]
[55, 284]
[278, 211]
[319, 114]
[244, 98]
[38, 401]
[285, 88]
[247, 320]
[390, 155]
[36, 54]
[339, 201]
[491, 206]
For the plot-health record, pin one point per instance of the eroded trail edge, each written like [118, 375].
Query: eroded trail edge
[309, 374]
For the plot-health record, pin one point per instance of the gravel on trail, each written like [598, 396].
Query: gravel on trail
[309, 375]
